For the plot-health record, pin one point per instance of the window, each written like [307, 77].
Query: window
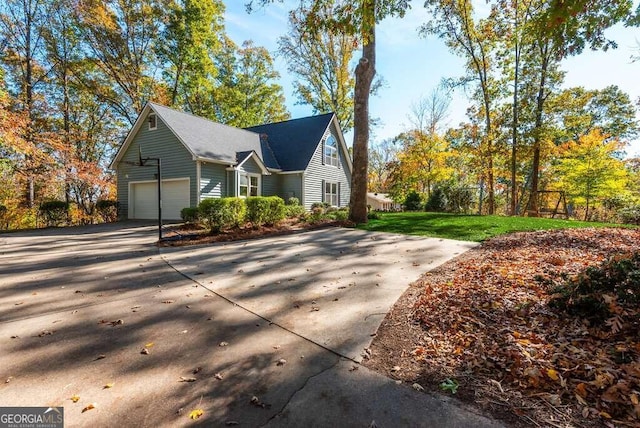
[331, 194]
[249, 185]
[153, 124]
[331, 151]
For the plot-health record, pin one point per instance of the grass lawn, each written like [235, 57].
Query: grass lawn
[467, 227]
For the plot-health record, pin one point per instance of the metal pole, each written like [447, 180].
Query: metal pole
[159, 199]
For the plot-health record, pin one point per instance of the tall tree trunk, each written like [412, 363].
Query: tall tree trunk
[365, 72]
[532, 206]
[489, 153]
[28, 58]
[514, 128]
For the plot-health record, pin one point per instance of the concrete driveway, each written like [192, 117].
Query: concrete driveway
[254, 333]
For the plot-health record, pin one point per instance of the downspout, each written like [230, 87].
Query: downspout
[198, 187]
[303, 201]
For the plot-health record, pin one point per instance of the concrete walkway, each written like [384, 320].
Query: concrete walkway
[78, 305]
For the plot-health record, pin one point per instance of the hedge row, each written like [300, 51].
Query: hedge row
[222, 213]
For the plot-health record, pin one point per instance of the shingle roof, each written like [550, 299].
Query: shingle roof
[294, 141]
[212, 140]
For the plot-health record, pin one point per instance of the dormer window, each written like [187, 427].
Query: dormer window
[153, 122]
[331, 151]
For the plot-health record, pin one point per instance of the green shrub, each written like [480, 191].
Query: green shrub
[293, 201]
[599, 292]
[276, 210]
[413, 201]
[293, 211]
[317, 205]
[339, 215]
[222, 213]
[373, 215]
[459, 199]
[4, 217]
[54, 212]
[190, 215]
[108, 210]
[265, 210]
[630, 215]
[437, 201]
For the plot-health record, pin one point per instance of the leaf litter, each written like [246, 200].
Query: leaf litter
[490, 320]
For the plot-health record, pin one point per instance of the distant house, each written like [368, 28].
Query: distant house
[304, 158]
[382, 202]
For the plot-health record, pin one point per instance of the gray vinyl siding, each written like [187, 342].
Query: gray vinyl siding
[213, 180]
[316, 173]
[270, 185]
[251, 167]
[291, 185]
[177, 162]
[231, 183]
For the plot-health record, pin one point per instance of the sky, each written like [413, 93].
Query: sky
[412, 65]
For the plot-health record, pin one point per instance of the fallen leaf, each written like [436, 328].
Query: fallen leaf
[149, 345]
[117, 322]
[281, 362]
[395, 369]
[144, 351]
[99, 357]
[232, 423]
[167, 301]
[195, 414]
[109, 385]
[581, 390]
[219, 376]
[15, 337]
[75, 398]
[553, 374]
[89, 407]
[418, 387]
[196, 370]
[9, 379]
[187, 379]
[223, 344]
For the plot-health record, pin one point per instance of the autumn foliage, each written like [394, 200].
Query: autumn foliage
[485, 320]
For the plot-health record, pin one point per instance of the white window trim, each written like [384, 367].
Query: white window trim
[249, 175]
[155, 121]
[334, 152]
[328, 197]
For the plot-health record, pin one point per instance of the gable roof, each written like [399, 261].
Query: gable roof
[204, 139]
[295, 141]
[284, 146]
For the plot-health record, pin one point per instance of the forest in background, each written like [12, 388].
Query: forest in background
[75, 74]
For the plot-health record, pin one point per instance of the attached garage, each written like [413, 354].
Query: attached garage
[143, 202]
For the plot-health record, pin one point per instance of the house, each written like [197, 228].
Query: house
[304, 158]
[382, 202]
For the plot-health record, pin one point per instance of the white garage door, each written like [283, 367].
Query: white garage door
[144, 199]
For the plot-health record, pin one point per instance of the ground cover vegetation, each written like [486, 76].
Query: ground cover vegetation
[467, 227]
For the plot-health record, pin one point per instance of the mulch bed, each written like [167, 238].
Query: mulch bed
[483, 320]
[191, 234]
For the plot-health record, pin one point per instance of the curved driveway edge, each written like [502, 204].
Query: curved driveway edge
[78, 305]
[332, 286]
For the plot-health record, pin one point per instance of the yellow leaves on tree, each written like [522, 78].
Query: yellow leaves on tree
[589, 169]
[422, 162]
